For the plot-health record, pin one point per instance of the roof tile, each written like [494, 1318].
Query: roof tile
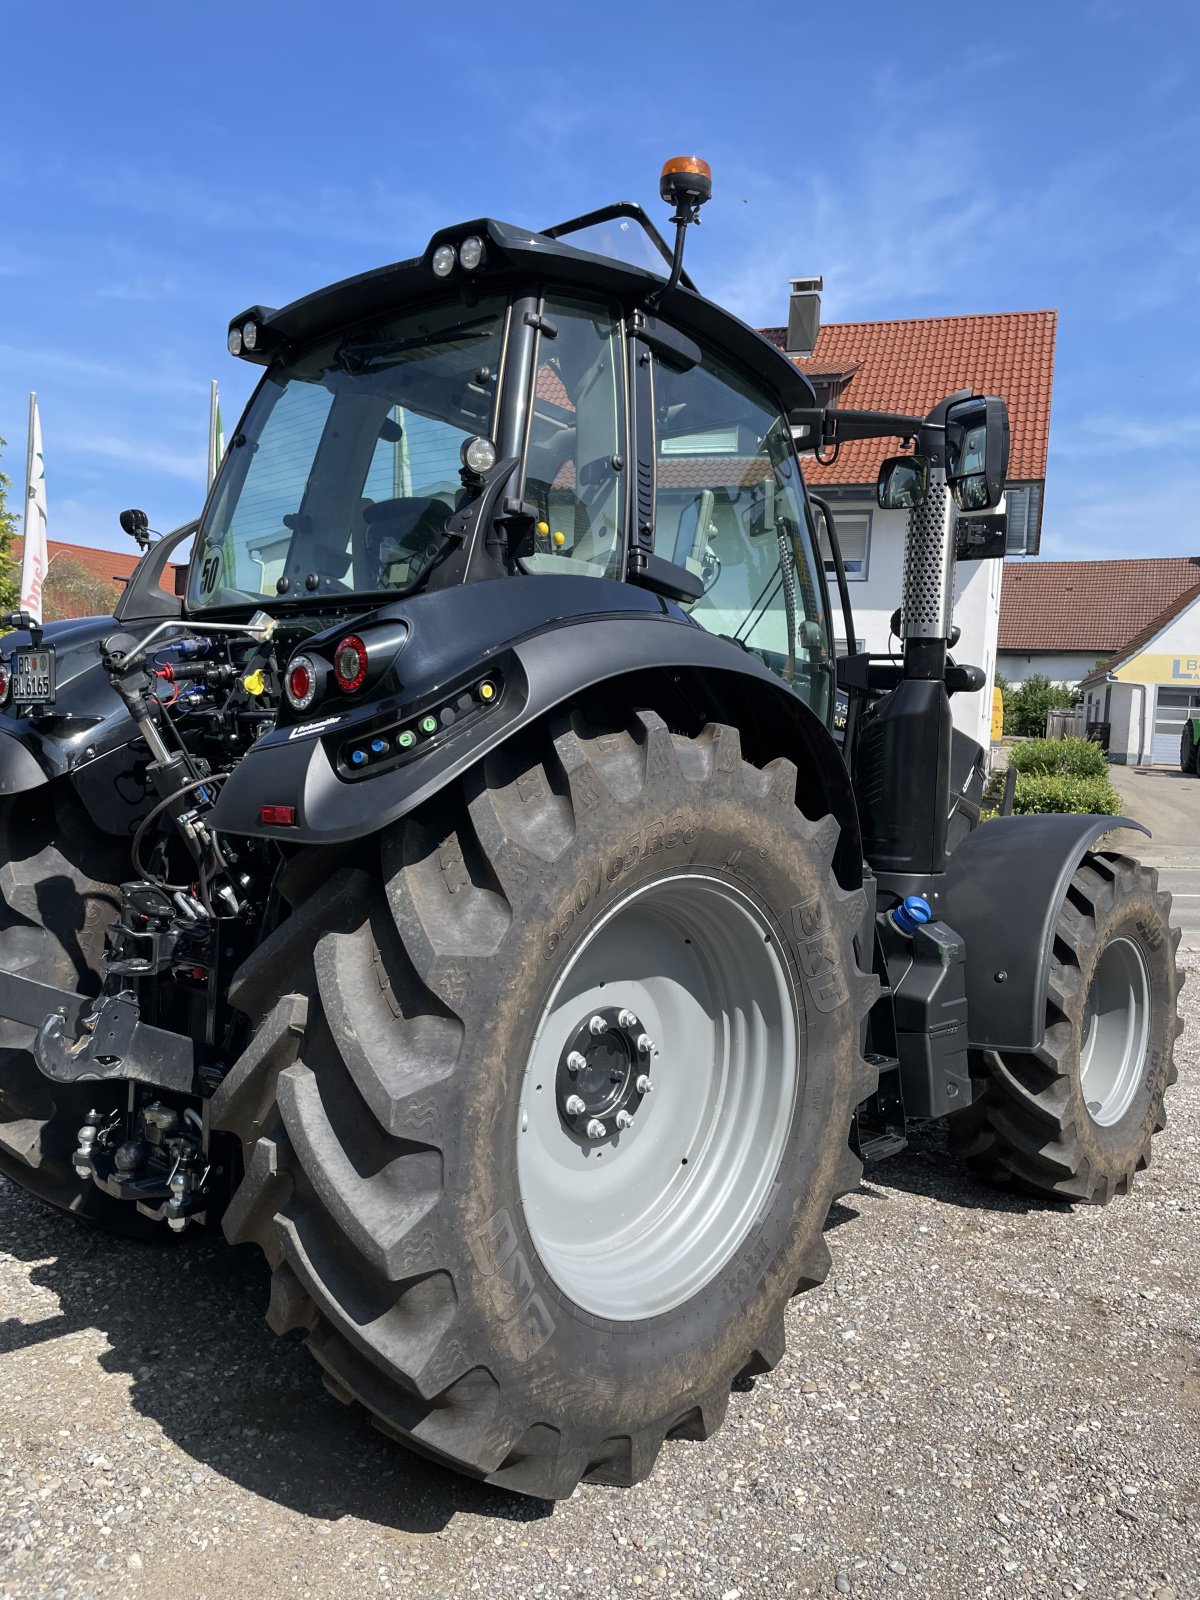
[1088, 605]
[910, 364]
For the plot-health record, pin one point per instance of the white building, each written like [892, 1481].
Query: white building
[908, 366]
[1146, 692]
[1060, 619]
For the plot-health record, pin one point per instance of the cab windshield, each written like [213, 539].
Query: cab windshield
[346, 466]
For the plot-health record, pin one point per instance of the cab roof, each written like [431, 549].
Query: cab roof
[512, 251]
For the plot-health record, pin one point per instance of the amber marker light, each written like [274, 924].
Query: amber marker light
[685, 175]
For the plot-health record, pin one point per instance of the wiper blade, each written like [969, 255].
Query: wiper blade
[363, 357]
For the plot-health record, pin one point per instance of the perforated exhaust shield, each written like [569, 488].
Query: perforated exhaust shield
[928, 593]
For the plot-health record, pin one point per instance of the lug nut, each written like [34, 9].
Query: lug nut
[627, 1019]
[575, 1105]
[598, 1025]
[645, 1044]
[596, 1129]
[624, 1119]
[576, 1062]
[642, 1083]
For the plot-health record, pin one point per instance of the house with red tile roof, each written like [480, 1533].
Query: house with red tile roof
[1145, 692]
[908, 365]
[1059, 618]
[107, 569]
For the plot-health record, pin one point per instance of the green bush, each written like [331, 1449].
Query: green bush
[1075, 758]
[1053, 791]
[1026, 704]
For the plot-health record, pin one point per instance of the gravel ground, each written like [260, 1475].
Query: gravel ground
[988, 1398]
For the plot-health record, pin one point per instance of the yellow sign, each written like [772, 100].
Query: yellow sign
[1149, 668]
[997, 715]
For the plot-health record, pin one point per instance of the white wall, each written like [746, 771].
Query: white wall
[1123, 707]
[1062, 666]
[976, 610]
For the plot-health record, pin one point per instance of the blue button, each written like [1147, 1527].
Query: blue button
[378, 746]
[357, 757]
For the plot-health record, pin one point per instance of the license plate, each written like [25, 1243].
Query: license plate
[32, 677]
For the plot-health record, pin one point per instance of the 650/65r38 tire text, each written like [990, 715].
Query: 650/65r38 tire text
[547, 1100]
[1073, 1119]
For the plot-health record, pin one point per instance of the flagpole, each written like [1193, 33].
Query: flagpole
[29, 464]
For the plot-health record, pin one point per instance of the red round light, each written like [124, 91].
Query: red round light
[300, 683]
[4, 681]
[350, 663]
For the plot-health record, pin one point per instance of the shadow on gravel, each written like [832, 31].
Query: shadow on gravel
[186, 1324]
[927, 1168]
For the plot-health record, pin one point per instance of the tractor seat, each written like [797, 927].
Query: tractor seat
[402, 536]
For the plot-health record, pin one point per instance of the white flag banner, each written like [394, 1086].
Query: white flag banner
[34, 556]
[216, 433]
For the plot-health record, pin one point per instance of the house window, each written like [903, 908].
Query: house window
[854, 536]
[1023, 505]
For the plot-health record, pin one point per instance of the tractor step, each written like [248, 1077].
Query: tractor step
[879, 1120]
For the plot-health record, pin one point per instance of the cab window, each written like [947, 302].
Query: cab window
[729, 506]
[576, 441]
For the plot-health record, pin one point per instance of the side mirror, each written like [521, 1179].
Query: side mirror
[977, 451]
[903, 483]
[181, 581]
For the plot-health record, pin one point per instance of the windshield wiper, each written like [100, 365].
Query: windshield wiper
[362, 357]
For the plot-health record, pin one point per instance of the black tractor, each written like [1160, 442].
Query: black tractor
[464, 889]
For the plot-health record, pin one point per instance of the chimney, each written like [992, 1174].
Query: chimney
[804, 316]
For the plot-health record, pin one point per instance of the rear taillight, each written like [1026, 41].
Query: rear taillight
[350, 663]
[300, 683]
[5, 681]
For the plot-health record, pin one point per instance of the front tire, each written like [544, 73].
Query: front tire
[525, 1300]
[1073, 1119]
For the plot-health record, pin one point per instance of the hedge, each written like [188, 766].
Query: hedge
[1049, 791]
[1076, 758]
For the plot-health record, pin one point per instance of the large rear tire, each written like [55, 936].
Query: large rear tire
[1073, 1119]
[525, 1301]
[58, 895]
[1189, 751]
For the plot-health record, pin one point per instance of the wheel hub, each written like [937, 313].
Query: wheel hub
[603, 1073]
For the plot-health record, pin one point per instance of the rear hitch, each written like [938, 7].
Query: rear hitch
[115, 1044]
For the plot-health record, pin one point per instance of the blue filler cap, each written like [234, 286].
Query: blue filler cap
[357, 757]
[378, 746]
[911, 913]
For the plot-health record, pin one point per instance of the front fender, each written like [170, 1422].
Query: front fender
[1002, 891]
[87, 722]
[638, 659]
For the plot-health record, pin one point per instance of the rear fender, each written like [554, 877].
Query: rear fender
[1002, 891]
[674, 667]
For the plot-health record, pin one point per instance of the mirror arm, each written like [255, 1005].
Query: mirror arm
[826, 425]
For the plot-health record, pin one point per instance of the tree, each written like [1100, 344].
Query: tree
[10, 580]
[1025, 707]
[72, 591]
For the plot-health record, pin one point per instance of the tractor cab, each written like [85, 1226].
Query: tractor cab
[513, 404]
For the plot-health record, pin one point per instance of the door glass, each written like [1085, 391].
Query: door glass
[729, 507]
[576, 437]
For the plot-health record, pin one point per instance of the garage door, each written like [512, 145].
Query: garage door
[1171, 711]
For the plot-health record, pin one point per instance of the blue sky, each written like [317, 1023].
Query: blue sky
[162, 166]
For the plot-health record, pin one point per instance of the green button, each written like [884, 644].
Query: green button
[428, 724]
[406, 740]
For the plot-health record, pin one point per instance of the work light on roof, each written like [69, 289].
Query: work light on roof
[470, 252]
[235, 341]
[250, 335]
[444, 260]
